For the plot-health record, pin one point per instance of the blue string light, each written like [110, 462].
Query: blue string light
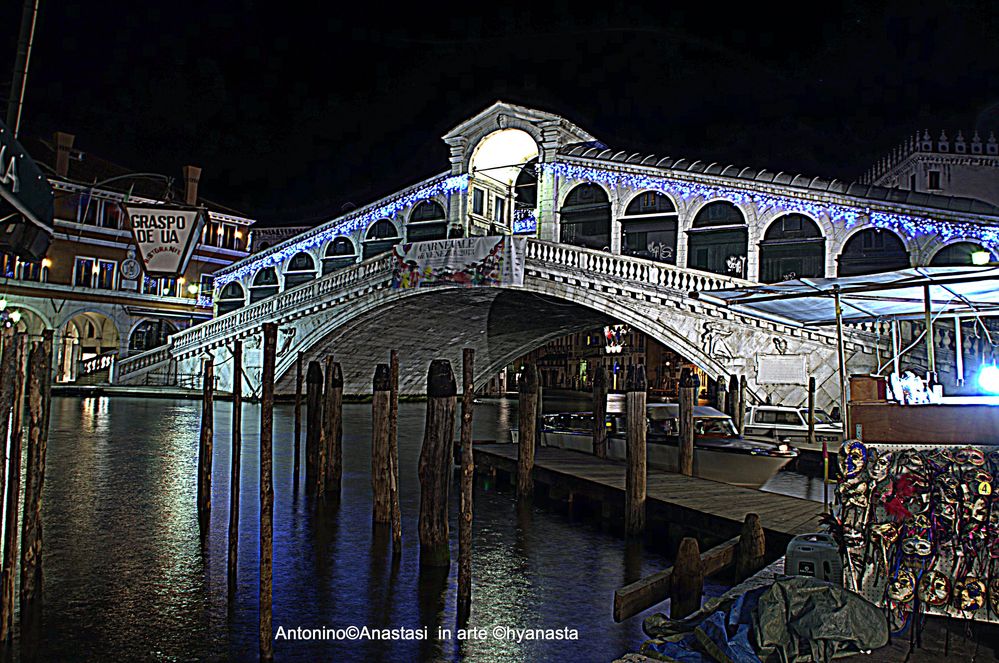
[343, 226]
[910, 226]
[524, 222]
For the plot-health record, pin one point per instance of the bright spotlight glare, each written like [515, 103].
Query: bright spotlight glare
[988, 379]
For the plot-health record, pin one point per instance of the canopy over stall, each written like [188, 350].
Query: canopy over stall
[926, 292]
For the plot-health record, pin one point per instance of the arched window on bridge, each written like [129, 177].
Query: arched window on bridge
[586, 218]
[525, 195]
[301, 269]
[381, 237]
[958, 255]
[231, 298]
[265, 284]
[873, 250]
[339, 253]
[427, 221]
[648, 228]
[150, 334]
[792, 248]
[718, 240]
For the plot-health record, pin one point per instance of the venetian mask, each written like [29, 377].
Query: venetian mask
[980, 482]
[969, 593]
[934, 588]
[994, 595]
[880, 465]
[917, 546]
[970, 456]
[947, 487]
[852, 458]
[887, 532]
[902, 587]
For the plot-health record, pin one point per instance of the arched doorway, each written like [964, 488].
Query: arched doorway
[585, 218]
[428, 221]
[381, 237]
[718, 241]
[792, 248]
[85, 336]
[301, 269]
[231, 298]
[649, 228]
[339, 253]
[958, 255]
[872, 250]
[495, 168]
[149, 334]
[265, 284]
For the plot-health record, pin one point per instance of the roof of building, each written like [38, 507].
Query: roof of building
[600, 152]
[87, 169]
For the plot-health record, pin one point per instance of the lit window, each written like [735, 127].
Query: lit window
[106, 272]
[168, 288]
[228, 236]
[149, 286]
[83, 272]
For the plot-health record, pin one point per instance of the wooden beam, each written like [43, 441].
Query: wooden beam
[645, 593]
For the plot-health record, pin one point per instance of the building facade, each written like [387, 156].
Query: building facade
[85, 287]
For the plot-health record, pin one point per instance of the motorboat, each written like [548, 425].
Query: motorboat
[781, 423]
[720, 453]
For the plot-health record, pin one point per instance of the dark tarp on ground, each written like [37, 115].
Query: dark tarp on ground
[795, 619]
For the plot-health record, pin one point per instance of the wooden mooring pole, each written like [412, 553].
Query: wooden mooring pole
[436, 458]
[394, 454]
[267, 490]
[235, 452]
[599, 411]
[721, 395]
[8, 375]
[333, 429]
[313, 423]
[740, 418]
[467, 481]
[687, 583]
[751, 555]
[39, 395]
[637, 453]
[381, 410]
[733, 398]
[297, 462]
[13, 492]
[206, 446]
[689, 384]
[527, 433]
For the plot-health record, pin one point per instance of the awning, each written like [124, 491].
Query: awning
[952, 291]
[24, 190]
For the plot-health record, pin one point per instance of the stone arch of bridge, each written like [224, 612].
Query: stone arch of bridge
[501, 324]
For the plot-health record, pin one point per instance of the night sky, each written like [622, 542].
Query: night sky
[294, 113]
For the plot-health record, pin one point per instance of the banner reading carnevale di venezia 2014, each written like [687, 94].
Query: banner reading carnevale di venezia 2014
[166, 236]
[468, 262]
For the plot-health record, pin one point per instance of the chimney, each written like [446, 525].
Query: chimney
[191, 176]
[64, 144]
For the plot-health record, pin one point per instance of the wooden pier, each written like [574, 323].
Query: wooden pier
[677, 505]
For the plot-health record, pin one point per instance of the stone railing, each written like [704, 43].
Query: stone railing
[98, 363]
[282, 305]
[644, 271]
[141, 361]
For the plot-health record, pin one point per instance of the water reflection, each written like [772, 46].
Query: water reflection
[126, 578]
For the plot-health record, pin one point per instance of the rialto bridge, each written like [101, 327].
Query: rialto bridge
[615, 236]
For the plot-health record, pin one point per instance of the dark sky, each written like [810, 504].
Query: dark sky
[292, 113]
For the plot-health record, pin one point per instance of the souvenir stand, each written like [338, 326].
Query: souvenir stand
[918, 512]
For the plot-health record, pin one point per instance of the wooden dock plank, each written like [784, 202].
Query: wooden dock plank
[778, 513]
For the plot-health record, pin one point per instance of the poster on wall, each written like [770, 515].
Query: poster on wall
[781, 369]
[165, 236]
[920, 529]
[468, 262]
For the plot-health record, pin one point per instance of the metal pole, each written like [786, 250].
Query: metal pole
[959, 350]
[931, 360]
[843, 404]
[896, 360]
[29, 18]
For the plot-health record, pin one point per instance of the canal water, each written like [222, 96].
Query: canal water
[127, 578]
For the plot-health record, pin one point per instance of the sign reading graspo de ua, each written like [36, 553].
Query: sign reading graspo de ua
[166, 236]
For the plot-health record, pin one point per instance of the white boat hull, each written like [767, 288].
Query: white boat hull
[739, 469]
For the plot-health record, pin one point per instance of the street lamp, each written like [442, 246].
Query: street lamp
[980, 257]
